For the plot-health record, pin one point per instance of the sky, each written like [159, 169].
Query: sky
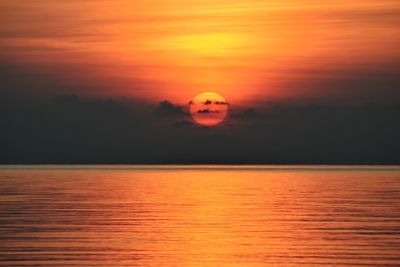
[313, 78]
[245, 50]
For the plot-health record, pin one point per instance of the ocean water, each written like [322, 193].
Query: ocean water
[199, 216]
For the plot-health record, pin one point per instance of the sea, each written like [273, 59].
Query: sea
[199, 215]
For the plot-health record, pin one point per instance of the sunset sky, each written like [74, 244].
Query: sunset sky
[99, 81]
[246, 50]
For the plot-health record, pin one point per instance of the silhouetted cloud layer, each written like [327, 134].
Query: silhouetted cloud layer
[68, 129]
[166, 108]
[207, 111]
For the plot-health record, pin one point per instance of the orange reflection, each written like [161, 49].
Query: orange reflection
[200, 215]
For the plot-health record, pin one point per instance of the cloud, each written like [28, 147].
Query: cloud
[210, 102]
[184, 124]
[166, 108]
[205, 111]
[70, 129]
[248, 113]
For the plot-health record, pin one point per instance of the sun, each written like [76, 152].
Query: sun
[208, 109]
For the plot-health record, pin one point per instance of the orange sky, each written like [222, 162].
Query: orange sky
[246, 50]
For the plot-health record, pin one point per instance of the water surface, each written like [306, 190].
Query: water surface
[199, 216]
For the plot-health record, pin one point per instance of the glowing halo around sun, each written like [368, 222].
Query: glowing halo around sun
[208, 109]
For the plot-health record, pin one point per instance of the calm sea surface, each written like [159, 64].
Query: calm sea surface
[199, 216]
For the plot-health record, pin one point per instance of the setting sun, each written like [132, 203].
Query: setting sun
[200, 133]
[208, 109]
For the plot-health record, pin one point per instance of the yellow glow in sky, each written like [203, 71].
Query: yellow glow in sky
[247, 50]
[208, 44]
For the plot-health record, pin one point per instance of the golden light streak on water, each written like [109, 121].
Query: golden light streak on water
[199, 216]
